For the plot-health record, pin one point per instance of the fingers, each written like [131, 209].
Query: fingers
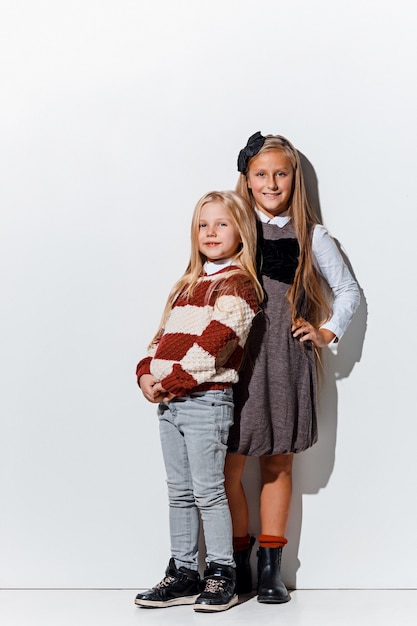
[155, 398]
[147, 386]
[304, 331]
[301, 328]
[152, 389]
[149, 395]
[158, 394]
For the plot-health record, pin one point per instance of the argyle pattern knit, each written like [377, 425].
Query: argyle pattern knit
[202, 343]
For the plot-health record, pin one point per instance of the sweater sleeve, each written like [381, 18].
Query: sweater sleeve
[143, 367]
[213, 354]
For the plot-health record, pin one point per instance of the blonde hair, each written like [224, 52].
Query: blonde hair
[243, 218]
[308, 294]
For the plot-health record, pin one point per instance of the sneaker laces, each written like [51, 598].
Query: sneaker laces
[168, 580]
[214, 585]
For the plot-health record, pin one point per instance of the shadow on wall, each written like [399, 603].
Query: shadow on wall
[313, 468]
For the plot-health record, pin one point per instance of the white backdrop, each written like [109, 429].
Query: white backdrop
[116, 116]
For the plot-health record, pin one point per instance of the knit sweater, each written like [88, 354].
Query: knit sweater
[201, 346]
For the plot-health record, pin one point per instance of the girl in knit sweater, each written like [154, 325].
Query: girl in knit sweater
[192, 363]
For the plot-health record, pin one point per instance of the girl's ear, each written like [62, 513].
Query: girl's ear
[247, 182]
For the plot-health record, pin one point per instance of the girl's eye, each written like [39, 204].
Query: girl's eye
[260, 174]
[280, 173]
[203, 225]
[223, 224]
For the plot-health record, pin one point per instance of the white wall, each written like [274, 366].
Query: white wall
[116, 116]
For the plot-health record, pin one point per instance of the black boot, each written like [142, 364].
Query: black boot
[271, 589]
[180, 586]
[243, 570]
[219, 590]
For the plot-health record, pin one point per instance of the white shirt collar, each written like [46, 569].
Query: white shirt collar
[279, 220]
[211, 267]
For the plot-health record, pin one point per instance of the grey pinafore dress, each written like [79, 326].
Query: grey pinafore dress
[275, 398]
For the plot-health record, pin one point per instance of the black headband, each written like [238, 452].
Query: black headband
[255, 143]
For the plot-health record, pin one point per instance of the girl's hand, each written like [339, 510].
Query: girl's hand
[147, 383]
[162, 394]
[320, 337]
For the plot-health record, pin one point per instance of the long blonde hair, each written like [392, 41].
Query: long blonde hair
[243, 218]
[307, 295]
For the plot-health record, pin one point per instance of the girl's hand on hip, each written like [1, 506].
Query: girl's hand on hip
[305, 331]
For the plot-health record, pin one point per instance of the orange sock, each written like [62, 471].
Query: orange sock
[271, 541]
[241, 543]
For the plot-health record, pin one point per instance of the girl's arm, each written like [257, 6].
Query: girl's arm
[216, 352]
[346, 294]
[143, 367]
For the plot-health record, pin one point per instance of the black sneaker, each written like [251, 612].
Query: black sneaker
[219, 591]
[180, 586]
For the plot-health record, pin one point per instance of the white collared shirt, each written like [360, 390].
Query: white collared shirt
[211, 267]
[334, 270]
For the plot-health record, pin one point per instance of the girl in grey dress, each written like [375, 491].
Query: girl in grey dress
[310, 297]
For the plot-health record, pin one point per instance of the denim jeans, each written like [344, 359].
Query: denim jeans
[194, 431]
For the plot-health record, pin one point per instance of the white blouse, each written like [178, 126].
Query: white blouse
[334, 270]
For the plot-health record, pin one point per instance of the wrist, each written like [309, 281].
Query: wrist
[328, 336]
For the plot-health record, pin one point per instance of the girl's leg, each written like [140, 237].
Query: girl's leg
[276, 474]
[275, 498]
[206, 419]
[238, 505]
[276, 491]
[183, 513]
[242, 542]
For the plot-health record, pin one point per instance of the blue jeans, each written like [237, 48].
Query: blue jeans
[194, 431]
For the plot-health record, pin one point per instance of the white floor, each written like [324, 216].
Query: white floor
[116, 608]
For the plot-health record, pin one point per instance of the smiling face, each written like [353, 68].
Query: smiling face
[270, 178]
[218, 237]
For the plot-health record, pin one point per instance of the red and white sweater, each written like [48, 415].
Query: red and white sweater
[202, 343]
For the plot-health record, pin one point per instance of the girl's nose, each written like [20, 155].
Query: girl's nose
[272, 183]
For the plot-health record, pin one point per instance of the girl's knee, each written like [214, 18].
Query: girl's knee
[211, 499]
[179, 497]
[277, 465]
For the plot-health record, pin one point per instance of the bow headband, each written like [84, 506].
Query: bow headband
[255, 143]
